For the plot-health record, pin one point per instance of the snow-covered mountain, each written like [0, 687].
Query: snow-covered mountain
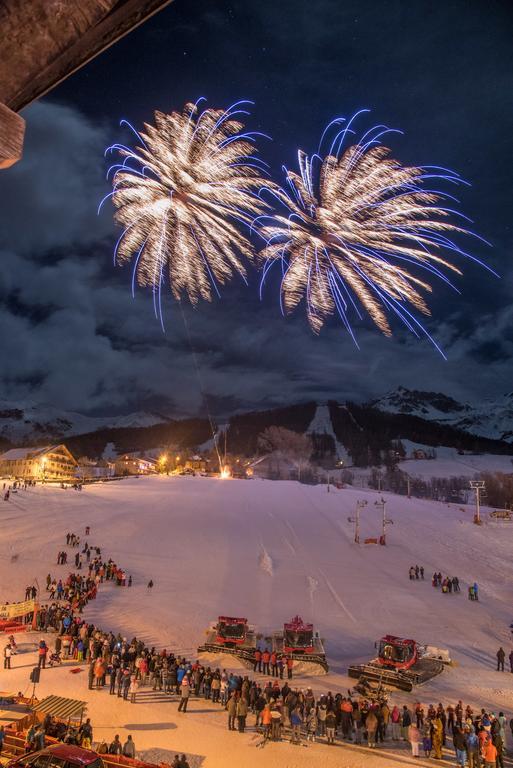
[434, 406]
[321, 424]
[27, 421]
[491, 418]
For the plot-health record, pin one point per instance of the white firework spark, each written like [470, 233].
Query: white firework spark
[179, 197]
[354, 221]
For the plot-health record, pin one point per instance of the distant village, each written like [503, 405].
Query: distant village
[283, 455]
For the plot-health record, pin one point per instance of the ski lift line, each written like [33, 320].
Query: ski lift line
[201, 387]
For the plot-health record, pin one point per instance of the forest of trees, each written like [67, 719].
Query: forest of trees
[372, 437]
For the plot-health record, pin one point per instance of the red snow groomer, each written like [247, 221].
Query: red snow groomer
[298, 636]
[298, 641]
[233, 635]
[231, 631]
[402, 663]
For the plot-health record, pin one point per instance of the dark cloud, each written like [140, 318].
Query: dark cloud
[72, 335]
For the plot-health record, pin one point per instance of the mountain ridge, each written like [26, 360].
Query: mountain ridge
[492, 418]
[363, 434]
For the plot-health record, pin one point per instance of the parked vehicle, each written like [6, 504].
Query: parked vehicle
[58, 756]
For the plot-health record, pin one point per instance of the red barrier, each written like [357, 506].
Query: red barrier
[11, 626]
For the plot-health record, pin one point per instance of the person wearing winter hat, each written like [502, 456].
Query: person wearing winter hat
[184, 694]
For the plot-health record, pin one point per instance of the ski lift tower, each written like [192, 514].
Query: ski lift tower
[385, 521]
[356, 520]
[477, 486]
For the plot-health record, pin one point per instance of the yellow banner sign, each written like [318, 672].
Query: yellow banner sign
[15, 610]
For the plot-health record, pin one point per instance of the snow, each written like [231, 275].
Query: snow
[21, 453]
[266, 550]
[217, 440]
[21, 422]
[491, 418]
[321, 424]
[449, 463]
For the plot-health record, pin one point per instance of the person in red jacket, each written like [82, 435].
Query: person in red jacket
[266, 658]
[489, 753]
[274, 664]
[42, 651]
[258, 661]
[290, 665]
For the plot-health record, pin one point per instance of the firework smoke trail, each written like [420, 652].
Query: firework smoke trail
[180, 196]
[356, 221]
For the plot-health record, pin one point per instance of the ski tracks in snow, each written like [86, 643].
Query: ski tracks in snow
[336, 597]
[312, 588]
[265, 562]
[312, 582]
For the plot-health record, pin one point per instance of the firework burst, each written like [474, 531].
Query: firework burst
[356, 222]
[180, 196]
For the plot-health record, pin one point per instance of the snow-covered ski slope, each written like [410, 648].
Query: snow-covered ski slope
[268, 550]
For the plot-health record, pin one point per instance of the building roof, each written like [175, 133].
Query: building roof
[61, 707]
[15, 454]
[23, 453]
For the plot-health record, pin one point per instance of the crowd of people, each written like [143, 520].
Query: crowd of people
[416, 572]
[105, 653]
[447, 584]
[17, 485]
[279, 709]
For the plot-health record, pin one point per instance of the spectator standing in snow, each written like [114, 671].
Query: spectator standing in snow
[437, 737]
[472, 744]
[511, 661]
[460, 747]
[184, 694]
[489, 754]
[129, 747]
[42, 651]
[134, 687]
[231, 708]
[427, 744]
[296, 721]
[395, 720]
[501, 655]
[405, 723]
[415, 739]
[371, 725]
[7, 656]
[331, 723]
[115, 747]
[242, 712]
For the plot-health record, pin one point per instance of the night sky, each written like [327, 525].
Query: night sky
[72, 335]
